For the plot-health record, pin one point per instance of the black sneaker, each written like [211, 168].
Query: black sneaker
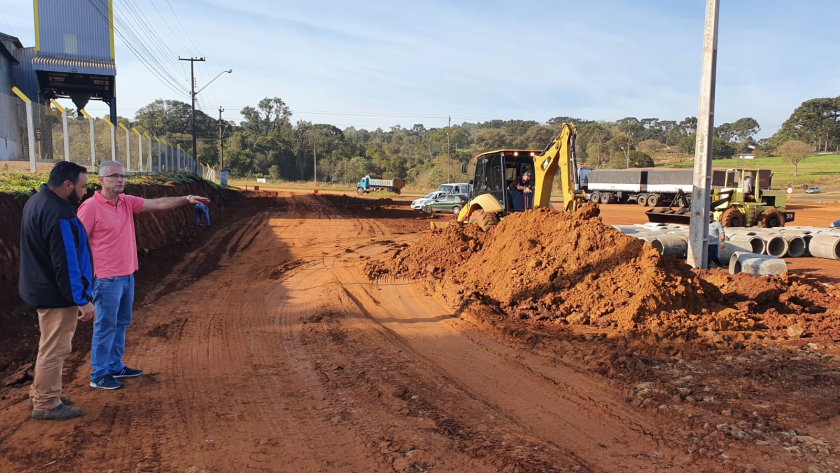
[106, 382]
[64, 400]
[127, 373]
[61, 412]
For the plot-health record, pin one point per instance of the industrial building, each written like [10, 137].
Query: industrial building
[73, 58]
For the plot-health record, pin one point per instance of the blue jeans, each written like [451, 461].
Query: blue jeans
[113, 298]
[199, 211]
[713, 255]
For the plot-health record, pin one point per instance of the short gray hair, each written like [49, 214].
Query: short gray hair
[104, 165]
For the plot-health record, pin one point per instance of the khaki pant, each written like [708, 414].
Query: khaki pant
[57, 328]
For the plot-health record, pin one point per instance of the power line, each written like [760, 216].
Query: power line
[200, 53]
[152, 33]
[7, 23]
[136, 51]
[201, 104]
[141, 44]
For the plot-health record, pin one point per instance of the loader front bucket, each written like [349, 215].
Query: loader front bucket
[666, 215]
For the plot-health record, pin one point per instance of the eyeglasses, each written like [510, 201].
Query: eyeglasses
[115, 176]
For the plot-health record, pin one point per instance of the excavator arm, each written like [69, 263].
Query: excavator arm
[559, 154]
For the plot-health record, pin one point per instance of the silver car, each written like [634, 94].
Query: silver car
[418, 204]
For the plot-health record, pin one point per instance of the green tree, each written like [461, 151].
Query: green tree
[640, 160]
[815, 122]
[745, 128]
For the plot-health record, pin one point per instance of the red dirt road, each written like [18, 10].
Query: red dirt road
[285, 357]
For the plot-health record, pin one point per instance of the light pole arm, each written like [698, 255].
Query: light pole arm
[229, 71]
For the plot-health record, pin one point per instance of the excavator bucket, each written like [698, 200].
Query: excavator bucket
[434, 225]
[666, 215]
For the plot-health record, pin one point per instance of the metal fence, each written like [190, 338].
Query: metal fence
[34, 137]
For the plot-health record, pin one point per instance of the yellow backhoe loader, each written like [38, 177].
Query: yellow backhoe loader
[495, 193]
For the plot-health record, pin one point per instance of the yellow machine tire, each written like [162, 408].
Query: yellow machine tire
[732, 217]
[770, 218]
[485, 220]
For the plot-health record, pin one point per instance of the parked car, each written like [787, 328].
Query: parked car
[455, 188]
[813, 190]
[446, 203]
[417, 204]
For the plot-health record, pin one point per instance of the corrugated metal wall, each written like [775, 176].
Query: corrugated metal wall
[75, 27]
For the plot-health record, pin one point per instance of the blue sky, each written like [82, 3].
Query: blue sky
[378, 64]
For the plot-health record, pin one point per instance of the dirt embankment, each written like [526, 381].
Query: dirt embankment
[570, 269]
[154, 230]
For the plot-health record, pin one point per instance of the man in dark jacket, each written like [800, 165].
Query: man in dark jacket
[56, 278]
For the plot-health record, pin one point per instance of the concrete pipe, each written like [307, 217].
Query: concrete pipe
[756, 243]
[669, 245]
[628, 229]
[732, 247]
[795, 246]
[756, 265]
[775, 246]
[824, 246]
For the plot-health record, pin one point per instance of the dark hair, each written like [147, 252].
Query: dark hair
[65, 171]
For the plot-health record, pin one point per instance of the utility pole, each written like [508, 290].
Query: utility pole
[698, 233]
[315, 157]
[448, 153]
[192, 94]
[221, 148]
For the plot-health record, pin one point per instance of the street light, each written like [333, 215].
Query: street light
[195, 153]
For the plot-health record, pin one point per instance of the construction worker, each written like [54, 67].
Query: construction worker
[716, 241]
[201, 211]
[747, 187]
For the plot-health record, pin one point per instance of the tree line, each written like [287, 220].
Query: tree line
[268, 143]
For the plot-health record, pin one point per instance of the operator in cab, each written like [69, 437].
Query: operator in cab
[521, 192]
[523, 183]
[747, 187]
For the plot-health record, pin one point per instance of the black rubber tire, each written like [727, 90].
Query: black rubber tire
[731, 218]
[642, 200]
[456, 210]
[653, 200]
[770, 218]
[428, 209]
[605, 198]
[360, 191]
[484, 220]
[595, 198]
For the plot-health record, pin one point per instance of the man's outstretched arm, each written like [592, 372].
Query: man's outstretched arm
[166, 203]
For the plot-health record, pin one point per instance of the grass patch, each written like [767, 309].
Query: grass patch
[814, 170]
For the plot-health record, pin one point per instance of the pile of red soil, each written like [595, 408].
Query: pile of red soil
[570, 268]
[437, 253]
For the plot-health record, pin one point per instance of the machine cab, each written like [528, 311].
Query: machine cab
[498, 172]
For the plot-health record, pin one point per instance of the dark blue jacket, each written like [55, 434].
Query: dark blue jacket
[55, 264]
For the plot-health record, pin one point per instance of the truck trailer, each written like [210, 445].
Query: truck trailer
[646, 187]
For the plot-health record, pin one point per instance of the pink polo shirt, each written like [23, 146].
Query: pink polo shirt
[110, 232]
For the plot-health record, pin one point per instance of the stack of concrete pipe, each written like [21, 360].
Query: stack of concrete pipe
[787, 242]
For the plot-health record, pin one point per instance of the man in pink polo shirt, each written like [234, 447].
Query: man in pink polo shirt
[108, 218]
